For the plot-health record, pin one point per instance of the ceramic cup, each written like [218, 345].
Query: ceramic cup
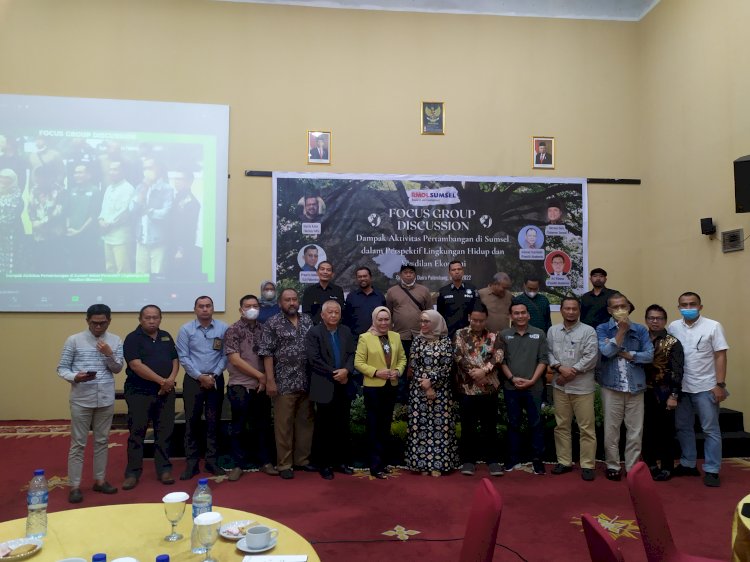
[260, 536]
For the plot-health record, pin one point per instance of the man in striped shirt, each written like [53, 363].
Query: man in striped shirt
[88, 362]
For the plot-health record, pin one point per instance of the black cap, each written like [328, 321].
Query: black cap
[407, 266]
[598, 270]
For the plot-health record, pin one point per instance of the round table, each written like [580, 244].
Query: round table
[741, 533]
[138, 530]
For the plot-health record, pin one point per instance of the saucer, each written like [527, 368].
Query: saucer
[236, 530]
[242, 545]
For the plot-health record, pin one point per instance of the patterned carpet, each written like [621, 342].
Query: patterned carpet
[406, 517]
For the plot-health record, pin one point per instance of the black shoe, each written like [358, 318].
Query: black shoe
[343, 469]
[190, 471]
[682, 470]
[105, 488]
[654, 470]
[379, 475]
[711, 479]
[662, 476]
[307, 467]
[388, 470]
[129, 483]
[561, 469]
[215, 470]
[588, 474]
[287, 474]
[614, 475]
[538, 467]
[326, 473]
[75, 496]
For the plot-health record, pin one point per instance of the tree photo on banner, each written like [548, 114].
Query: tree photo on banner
[382, 221]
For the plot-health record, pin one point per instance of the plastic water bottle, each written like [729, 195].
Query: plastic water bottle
[100, 557]
[36, 501]
[162, 558]
[202, 502]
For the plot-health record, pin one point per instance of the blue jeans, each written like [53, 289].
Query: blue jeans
[700, 403]
[531, 401]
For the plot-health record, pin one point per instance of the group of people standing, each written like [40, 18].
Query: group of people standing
[305, 367]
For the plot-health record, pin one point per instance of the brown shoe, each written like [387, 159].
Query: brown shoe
[235, 474]
[166, 478]
[269, 469]
[129, 483]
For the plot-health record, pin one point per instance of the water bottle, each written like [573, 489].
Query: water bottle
[36, 500]
[162, 558]
[202, 502]
[100, 557]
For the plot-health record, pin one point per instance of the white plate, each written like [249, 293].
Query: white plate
[244, 548]
[226, 528]
[15, 543]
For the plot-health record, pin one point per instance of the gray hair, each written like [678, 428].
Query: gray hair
[501, 277]
[328, 304]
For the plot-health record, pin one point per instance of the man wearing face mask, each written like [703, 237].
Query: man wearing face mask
[246, 391]
[407, 301]
[625, 347]
[537, 304]
[703, 387]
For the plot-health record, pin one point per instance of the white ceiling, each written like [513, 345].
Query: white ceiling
[627, 10]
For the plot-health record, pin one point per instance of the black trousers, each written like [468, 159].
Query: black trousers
[143, 408]
[658, 432]
[200, 402]
[379, 403]
[251, 425]
[331, 434]
[479, 419]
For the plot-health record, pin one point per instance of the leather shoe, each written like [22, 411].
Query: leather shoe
[129, 483]
[307, 467]
[614, 475]
[190, 471]
[215, 470]
[269, 469]
[562, 469]
[105, 488]
[343, 469]
[326, 473]
[235, 474]
[75, 496]
[287, 474]
[166, 478]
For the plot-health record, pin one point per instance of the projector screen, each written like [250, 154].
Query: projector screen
[119, 202]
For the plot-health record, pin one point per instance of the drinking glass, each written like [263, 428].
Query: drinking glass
[208, 525]
[174, 509]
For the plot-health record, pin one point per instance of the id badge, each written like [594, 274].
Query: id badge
[569, 355]
[217, 344]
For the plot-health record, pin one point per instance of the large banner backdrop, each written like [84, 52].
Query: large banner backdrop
[522, 226]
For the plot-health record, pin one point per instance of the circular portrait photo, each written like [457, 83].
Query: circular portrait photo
[311, 208]
[557, 263]
[531, 238]
[310, 256]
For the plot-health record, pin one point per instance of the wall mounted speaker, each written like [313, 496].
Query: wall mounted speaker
[708, 226]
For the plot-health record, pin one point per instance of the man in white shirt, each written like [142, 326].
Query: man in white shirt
[114, 221]
[703, 387]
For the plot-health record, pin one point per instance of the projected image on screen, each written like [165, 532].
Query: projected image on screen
[114, 201]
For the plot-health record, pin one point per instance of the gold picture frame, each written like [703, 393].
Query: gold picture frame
[432, 118]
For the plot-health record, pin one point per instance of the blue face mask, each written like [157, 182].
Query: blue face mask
[689, 313]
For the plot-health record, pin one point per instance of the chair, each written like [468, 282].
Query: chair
[602, 547]
[481, 528]
[655, 534]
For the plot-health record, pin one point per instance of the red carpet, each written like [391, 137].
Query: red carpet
[354, 518]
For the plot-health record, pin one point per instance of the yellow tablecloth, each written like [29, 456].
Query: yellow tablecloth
[741, 534]
[138, 530]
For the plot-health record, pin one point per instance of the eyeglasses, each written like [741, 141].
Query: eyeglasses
[655, 319]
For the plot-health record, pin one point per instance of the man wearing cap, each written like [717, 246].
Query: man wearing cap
[594, 303]
[407, 301]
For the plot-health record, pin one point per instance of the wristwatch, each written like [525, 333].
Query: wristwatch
[721, 384]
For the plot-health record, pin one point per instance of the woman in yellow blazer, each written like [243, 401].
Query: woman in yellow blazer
[381, 360]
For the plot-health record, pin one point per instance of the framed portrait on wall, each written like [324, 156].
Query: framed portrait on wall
[432, 118]
[318, 147]
[543, 152]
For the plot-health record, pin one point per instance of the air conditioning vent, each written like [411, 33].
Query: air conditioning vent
[733, 240]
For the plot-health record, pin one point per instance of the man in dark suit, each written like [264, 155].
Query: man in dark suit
[542, 156]
[320, 151]
[330, 359]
